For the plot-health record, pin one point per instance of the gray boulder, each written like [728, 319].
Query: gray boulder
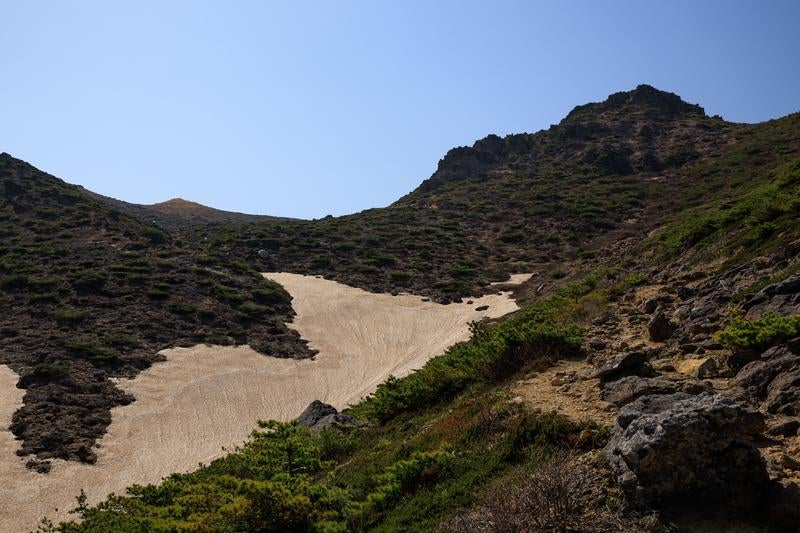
[318, 416]
[668, 448]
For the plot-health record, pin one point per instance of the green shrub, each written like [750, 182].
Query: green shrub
[91, 280]
[70, 317]
[538, 331]
[50, 370]
[183, 308]
[759, 333]
[92, 351]
[252, 309]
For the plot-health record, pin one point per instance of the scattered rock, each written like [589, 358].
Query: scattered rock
[649, 307]
[684, 293]
[660, 328]
[42, 467]
[263, 254]
[674, 447]
[482, 308]
[597, 344]
[318, 416]
[702, 368]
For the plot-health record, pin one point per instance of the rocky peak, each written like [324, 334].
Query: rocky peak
[644, 99]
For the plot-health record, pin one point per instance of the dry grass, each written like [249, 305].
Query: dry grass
[567, 494]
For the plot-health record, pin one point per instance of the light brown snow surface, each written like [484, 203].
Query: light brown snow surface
[209, 397]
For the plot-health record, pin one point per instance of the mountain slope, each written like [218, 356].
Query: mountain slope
[699, 225]
[521, 203]
[90, 293]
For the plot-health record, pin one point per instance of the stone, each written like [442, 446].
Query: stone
[649, 307]
[702, 368]
[772, 380]
[263, 254]
[786, 428]
[318, 416]
[677, 447]
[625, 365]
[627, 389]
[660, 328]
[482, 308]
[684, 293]
[597, 344]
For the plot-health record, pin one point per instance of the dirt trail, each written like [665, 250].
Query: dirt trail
[209, 397]
[569, 389]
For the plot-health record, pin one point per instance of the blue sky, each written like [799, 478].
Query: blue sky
[313, 108]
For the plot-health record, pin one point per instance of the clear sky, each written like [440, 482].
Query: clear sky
[312, 108]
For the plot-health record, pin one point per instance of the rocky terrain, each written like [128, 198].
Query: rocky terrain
[650, 381]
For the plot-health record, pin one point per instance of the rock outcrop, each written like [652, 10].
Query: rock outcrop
[318, 416]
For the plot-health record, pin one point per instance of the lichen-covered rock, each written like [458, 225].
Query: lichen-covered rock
[676, 446]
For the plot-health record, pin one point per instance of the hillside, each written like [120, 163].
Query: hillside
[91, 294]
[649, 382]
[505, 205]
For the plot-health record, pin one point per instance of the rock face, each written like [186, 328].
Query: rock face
[660, 328]
[673, 447]
[318, 416]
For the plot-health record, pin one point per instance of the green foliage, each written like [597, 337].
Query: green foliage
[91, 280]
[768, 206]
[49, 370]
[71, 317]
[759, 333]
[253, 310]
[537, 332]
[94, 352]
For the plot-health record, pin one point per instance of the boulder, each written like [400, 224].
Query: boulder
[318, 416]
[660, 328]
[679, 447]
[649, 307]
[625, 390]
[772, 380]
[263, 254]
[625, 365]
